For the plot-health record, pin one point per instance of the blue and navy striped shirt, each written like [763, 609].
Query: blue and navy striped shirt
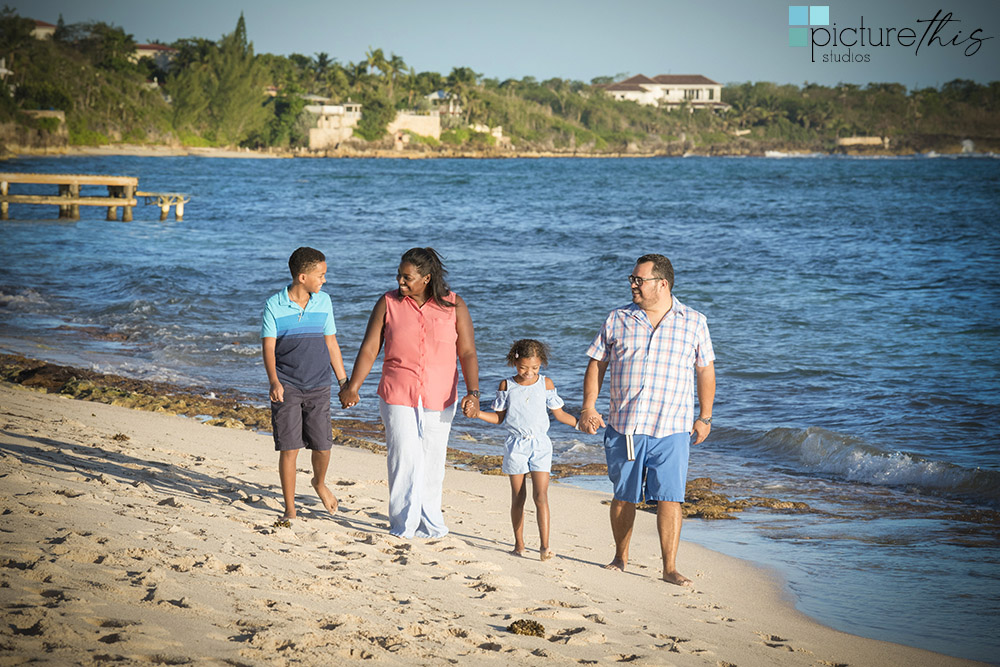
[301, 356]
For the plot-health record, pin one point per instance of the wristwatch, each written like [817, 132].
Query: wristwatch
[704, 420]
[474, 392]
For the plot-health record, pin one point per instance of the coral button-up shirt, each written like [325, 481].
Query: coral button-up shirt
[421, 353]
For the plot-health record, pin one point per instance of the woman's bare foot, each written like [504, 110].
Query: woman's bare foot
[617, 564]
[325, 495]
[546, 554]
[676, 578]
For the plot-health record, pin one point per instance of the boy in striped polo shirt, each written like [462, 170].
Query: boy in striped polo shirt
[299, 343]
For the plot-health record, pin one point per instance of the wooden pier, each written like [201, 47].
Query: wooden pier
[165, 200]
[122, 192]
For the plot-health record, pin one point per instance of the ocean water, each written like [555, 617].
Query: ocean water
[854, 305]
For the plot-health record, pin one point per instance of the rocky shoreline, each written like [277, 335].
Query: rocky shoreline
[423, 152]
[236, 412]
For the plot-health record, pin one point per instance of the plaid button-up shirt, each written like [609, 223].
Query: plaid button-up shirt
[652, 370]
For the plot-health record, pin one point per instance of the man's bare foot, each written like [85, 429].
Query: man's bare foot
[518, 550]
[676, 578]
[546, 554]
[329, 500]
[617, 564]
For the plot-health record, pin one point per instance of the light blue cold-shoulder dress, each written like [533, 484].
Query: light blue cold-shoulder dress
[528, 448]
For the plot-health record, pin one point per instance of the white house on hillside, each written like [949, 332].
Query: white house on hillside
[669, 90]
[161, 54]
[334, 123]
[444, 103]
[43, 30]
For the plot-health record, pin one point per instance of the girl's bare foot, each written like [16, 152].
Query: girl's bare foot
[325, 495]
[546, 554]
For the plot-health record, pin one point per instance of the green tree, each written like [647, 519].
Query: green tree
[393, 67]
[190, 90]
[109, 46]
[375, 60]
[283, 128]
[190, 51]
[222, 95]
[377, 111]
[236, 105]
[357, 75]
[15, 35]
[321, 64]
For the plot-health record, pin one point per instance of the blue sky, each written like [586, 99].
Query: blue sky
[726, 40]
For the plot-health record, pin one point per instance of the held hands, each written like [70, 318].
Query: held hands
[591, 421]
[470, 406]
[348, 397]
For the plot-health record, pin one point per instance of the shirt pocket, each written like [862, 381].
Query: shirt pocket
[442, 333]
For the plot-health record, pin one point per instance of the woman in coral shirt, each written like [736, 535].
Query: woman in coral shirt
[424, 327]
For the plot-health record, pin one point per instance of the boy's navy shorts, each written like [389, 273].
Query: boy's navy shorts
[302, 420]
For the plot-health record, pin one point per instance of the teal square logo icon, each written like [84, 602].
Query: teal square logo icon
[819, 15]
[798, 37]
[798, 15]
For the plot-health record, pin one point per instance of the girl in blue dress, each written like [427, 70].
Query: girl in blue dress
[521, 405]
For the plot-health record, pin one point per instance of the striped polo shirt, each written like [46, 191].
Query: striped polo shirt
[652, 369]
[301, 356]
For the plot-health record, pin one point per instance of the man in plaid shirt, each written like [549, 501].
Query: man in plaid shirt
[659, 352]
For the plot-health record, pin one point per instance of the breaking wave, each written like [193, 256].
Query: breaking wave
[817, 450]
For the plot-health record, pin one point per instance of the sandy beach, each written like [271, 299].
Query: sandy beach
[137, 537]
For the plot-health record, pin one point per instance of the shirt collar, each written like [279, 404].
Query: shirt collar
[678, 309]
[286, 300]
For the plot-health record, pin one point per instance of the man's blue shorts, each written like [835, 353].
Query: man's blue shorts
[659, 471]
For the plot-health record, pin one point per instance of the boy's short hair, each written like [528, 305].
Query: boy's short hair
[304, 259]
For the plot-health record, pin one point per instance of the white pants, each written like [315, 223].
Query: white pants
[416, 442]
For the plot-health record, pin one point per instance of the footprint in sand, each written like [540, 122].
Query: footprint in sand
[578, 637]
[366, 538]
[774, 641]
[490, 582]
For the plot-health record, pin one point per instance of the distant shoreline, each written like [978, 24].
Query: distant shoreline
[135, 150]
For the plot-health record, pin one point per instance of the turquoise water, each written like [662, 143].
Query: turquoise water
[853, 305]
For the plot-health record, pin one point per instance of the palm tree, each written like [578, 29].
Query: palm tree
[376, 60]
[356, 73]
[393, 67]
[411, 86]
[321, 63]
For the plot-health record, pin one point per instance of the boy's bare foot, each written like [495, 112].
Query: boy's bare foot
[617, 564]
[546, 554]
[676, 578]
[325, 495]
